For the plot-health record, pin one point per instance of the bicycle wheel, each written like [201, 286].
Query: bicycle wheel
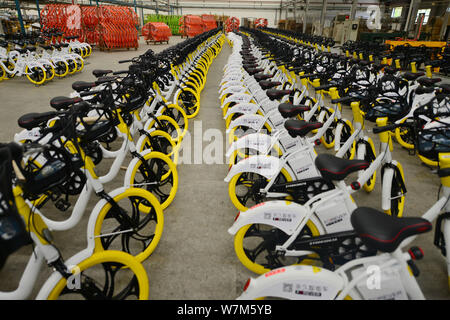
[36, 75]
[134, 226]
[346, 132]
[397, 193]
[62, 69]
[72, 64]
[370, 156]
[159, 141]
[244, 188]
[178, 114]
[49, 72]
[189, 101]
[166, 124]
[255, 244]
[2, 73]
[107, 275]
[328, 137]
[156, 173]
[80, 64]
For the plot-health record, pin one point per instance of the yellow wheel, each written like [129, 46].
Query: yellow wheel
[370, 157]
[62, 69]
[160, 141]
[404, 136]
[95, 278]
[49, 72]
[244, 187]
[179, 115]
[166, 124]
[158, 175]
[135, 226]
[397, 195]
[80, 64]
[254, 247]
[189, 100]
[36, 75]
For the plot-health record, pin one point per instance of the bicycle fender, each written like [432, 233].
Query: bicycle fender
[388, 174]
[256, 141]
[233, 90]
[266, 166]
[252, 121]
[299, 282]
[242, 108]
[237, 98]
[284, 215]
[230, 84]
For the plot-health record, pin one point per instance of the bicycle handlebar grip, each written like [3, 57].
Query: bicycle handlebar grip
[125, 61]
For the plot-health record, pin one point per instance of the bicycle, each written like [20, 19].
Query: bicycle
[24, 225]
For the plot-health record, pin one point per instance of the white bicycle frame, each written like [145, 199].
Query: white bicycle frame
[398, 282]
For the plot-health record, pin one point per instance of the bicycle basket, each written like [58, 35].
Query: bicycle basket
[47, 169]
[101, 125]
[433, 141]
[393, 109]
[13, 234]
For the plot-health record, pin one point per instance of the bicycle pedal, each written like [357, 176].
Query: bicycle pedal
[55, 195]
[62, 205]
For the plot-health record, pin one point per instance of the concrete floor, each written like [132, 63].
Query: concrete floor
[195, 258]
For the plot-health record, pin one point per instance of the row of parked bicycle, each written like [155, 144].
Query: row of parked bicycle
[298, 226]
[54, 162]
[41, 57]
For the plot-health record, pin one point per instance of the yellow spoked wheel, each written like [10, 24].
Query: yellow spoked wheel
[36, 75]
[134, 226]
[166, 124]
[179, 115]
[254, 246]
[72, 64]
[2, 73]
[157, 174]
[80, 64]
[160, 141]
[397, 195]
[189, 100]
[243, 188]
[49, 72]
[370, 156]
[62, 69]
[105, 275]
[328, 137]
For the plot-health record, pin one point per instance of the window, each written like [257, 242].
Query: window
[396, 12]
[426, 12]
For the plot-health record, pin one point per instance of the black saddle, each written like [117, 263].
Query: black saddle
[423, 90]
[383, 232]
[254, 71]
[82, 85]
[300, 128]
[262, 76]
[333, 168]
[289, 110]
[274, 94]
[428, 82]
[412, 76]
[62, 103]
[100, 72]
[32, 120]
[265, 84]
